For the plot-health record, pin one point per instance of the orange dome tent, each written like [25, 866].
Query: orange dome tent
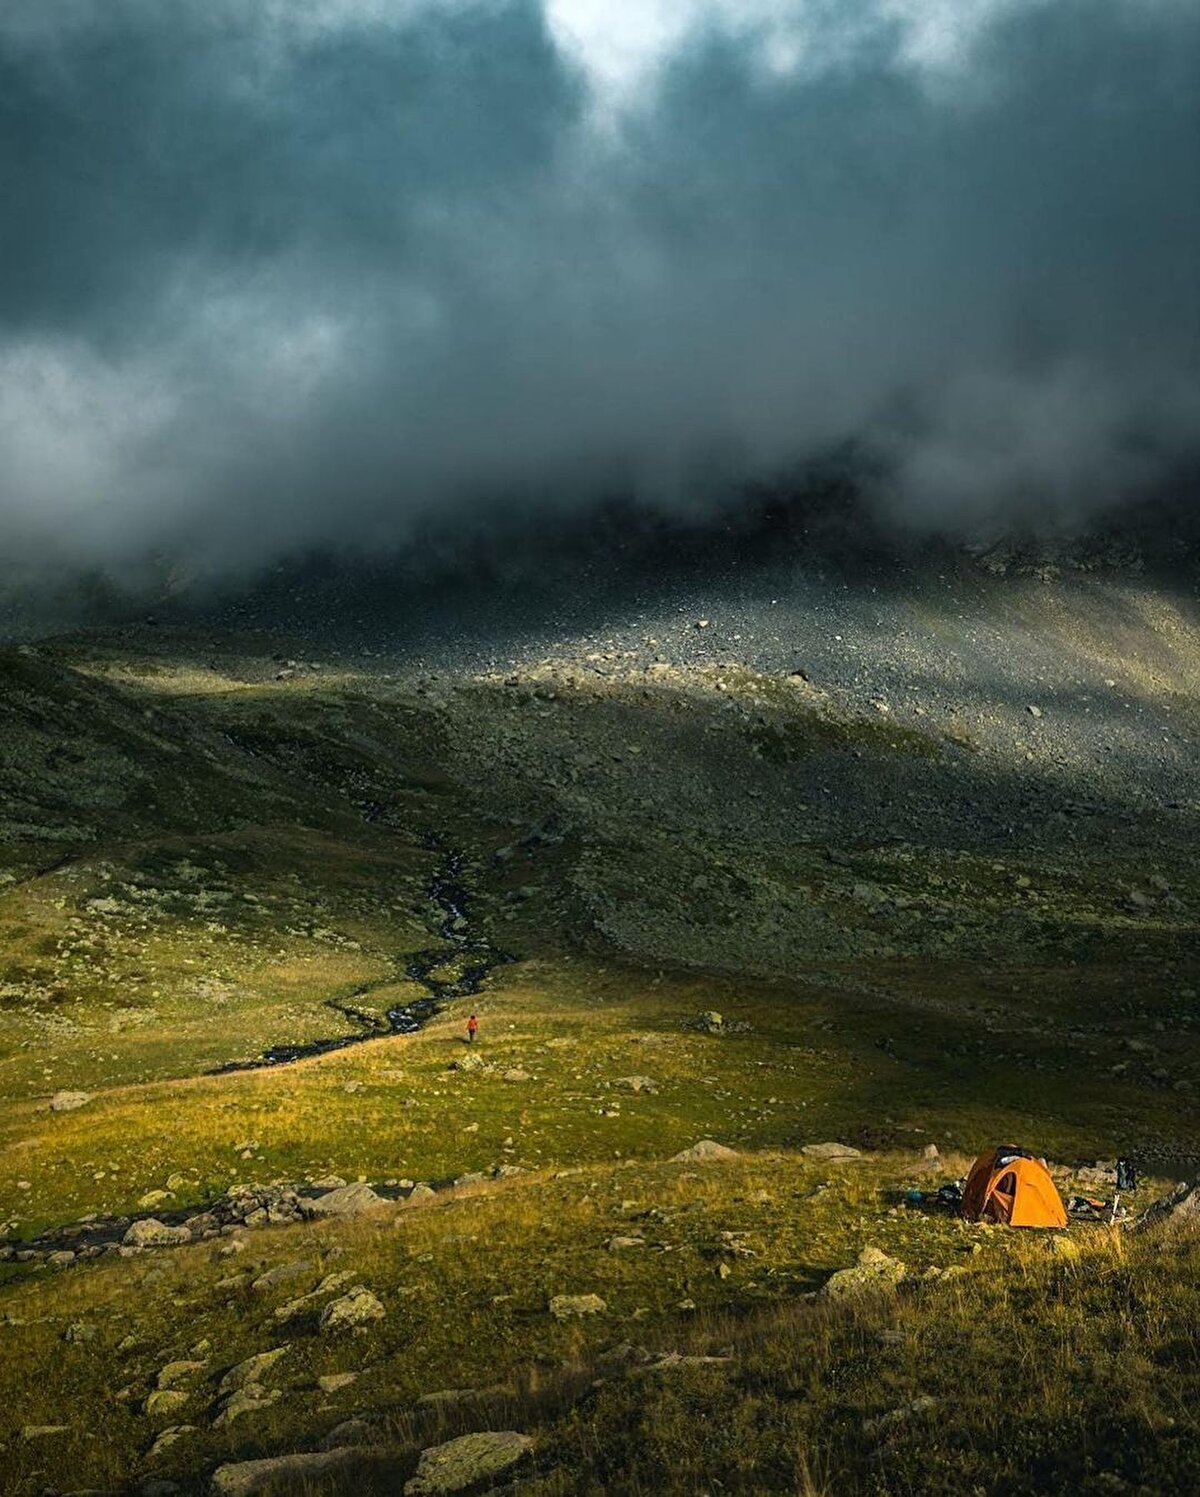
[1011, 1186]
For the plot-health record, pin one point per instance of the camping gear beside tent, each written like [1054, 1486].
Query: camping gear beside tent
[1088, 1209]
[1009, 1185]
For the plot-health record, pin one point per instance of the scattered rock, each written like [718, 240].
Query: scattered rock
[676, 1361]
[514, 1073]
[247, 1400]
[420, 1195]
[166, 1401]
[920, 1405]
[280, 1275]
[245, 1478]
[867, 893]
[153, 1198]
[454, 1398]
[330, 1284]
[69, 1101]
[257, 1206]
[873, 1272]
[334, 1382]
[707, 1149]
[468, 1062]
[150, 1232]
[345, 1200]
[571, 1306]
[175, 1373]
[636, 1084]
[43, 1431]
[352, 1432]
[621, 1244]
[169, 1437]
[461, 1464]
[359, 1307]
[830, 1151]
[252, 1370]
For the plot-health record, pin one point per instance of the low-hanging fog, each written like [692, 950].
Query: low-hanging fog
[307, 272]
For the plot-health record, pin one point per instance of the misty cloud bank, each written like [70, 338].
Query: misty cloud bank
[315, 271]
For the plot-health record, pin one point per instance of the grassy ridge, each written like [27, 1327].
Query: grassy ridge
[1047, 1372]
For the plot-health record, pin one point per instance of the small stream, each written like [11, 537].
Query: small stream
[470, 958]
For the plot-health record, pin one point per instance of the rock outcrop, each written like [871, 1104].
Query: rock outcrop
[459, 1465]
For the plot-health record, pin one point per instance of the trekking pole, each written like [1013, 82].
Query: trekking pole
[1126, 1180]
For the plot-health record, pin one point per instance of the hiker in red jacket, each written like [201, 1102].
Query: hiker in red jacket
[472, 1029]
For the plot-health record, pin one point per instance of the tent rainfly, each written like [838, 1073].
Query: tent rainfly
[1012, 1187]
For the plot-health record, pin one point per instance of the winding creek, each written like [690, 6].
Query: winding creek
[456, 969]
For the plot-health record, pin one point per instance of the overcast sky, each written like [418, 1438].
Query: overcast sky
[276, 273]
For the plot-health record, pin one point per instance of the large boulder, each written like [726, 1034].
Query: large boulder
[252, 1370]
[69, 1101]
[150, 1232]
[347, 1200]
[358, 1307]
[175, 1373]
[166, 1401]
[1179, 1208]
[281, 1274]
[874, 1272]
[330, 1284]
[636, 1084]
[248, 1400]
[245, 1478]
[704, 1151]
[831, 1151]
[572, 1306]
[420, 1195]
[461, 1464]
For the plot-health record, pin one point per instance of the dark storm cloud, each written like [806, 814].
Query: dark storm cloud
[290, 273]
